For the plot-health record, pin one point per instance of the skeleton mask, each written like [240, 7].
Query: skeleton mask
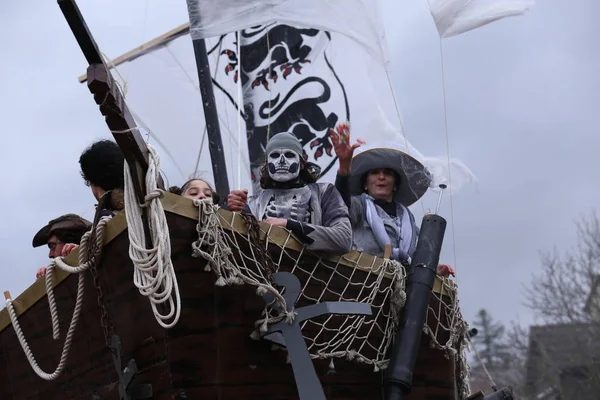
[283, 164]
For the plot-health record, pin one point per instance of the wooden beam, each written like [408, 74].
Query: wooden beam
[121, 123]
[146, 47]
[108, 96]
[112, 105]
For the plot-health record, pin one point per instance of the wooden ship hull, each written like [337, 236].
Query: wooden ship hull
[209, 354]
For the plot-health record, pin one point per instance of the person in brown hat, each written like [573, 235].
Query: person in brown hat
[62, 235]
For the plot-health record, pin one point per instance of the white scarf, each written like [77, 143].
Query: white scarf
[401, 250]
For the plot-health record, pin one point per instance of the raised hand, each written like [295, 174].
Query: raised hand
[340, 138]
[40, 272]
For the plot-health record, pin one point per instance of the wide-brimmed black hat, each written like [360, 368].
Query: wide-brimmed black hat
[64, 222]
[414, 177]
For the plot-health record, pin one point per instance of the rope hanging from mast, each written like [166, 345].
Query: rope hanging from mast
[153, 274]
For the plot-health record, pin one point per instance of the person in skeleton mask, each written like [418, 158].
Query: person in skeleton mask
[378, 185]
[290, 197]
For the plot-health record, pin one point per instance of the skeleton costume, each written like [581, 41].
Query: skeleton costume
[316, 212]
[377, 223]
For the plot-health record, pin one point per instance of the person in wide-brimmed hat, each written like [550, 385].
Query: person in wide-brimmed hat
[378, 184]
[62, 235]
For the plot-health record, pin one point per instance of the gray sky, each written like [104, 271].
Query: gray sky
[521, 96]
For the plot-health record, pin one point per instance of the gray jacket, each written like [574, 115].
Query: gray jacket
[363, 238]
[316, 214]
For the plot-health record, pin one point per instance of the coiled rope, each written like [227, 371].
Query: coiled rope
[153, 274]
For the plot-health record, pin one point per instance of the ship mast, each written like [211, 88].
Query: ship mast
[112, 105]
[108, 97]
[213, 130]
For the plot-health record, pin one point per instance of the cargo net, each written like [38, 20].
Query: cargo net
[239, 252]
[447, 331]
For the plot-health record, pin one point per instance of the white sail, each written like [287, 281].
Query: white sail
[164, 82]
[357, 19]
[293, 78]
[453, 17]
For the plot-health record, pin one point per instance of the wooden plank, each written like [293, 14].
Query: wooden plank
[112, 105]
[108, 96]
[118, 117]
[144, 48]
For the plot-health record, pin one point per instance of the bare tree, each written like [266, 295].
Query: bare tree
[563, 354]
[559, 293]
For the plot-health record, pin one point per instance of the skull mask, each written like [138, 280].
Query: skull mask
[283, 164]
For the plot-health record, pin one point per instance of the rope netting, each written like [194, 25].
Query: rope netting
[237, 255]
[447, 331]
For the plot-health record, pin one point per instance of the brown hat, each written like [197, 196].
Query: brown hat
[67, 222]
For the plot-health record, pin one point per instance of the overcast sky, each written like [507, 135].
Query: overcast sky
[522, 97]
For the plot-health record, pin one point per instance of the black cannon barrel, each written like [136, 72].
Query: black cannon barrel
[421, 277]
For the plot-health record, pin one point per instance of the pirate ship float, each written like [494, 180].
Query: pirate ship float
[243, 311]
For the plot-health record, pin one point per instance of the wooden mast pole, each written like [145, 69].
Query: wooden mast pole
[112, 105]
[90, 50]
[213, 130]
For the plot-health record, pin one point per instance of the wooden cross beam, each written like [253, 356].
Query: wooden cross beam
[110, 99]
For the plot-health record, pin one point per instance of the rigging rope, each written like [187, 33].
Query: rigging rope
[240, 108]
[448, 158]
[384, 48]
[124, 89]
[224, 121]
[153, 274]
[485, 370]
[85, 262]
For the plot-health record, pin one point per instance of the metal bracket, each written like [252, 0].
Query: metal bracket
[127, 392]
[290, 334]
